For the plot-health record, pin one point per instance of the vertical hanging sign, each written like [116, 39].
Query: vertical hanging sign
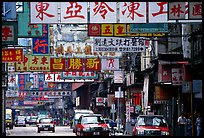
[41, 45]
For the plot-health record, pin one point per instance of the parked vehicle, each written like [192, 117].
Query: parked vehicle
[151, 125]
[77, 114]
[33, 120]
[90, 125]
[46, 124]
[9, 120]
[20, 121]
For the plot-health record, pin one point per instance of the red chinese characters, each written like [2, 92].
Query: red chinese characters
[161, 9]
[102, 8]
[40, 43]
[6, 33]
[132, 9]
[74, 11]
[41, 8]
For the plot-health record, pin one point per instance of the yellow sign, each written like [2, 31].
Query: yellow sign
[119, 29]
[107, 30]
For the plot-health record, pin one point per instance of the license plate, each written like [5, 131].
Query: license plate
[45, 128]
[96, 133]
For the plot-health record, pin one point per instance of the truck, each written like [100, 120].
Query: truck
[9, 118]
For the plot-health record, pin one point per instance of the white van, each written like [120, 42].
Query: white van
[77, 114]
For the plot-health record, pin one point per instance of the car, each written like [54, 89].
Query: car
[151, 125]
[33, 120]
[20, 121]
[46, 124]
[77, 114]
[91, 125]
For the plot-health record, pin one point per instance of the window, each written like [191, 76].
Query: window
[19, 6]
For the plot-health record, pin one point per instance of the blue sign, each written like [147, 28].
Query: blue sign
[186, 87]
[197, 86]
[149, 28]
[8, 10]
[40, 45]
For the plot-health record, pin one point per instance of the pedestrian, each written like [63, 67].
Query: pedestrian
[189, 125]
[198, 124]
[182, 121]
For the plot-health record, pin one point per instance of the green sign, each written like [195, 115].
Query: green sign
[149, 28]
[9, 32]
[25, 29]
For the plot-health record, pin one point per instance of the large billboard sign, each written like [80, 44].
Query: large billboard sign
[108, 12]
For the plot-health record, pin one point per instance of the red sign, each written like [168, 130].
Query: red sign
[12, 55]
[57, 64]
[94, 30]
[75, 64]
[92, 64]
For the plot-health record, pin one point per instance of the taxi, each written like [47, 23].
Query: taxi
[92, 125]
[151, 125]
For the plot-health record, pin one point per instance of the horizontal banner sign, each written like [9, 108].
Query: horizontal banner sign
[12, 55]
[118, 44]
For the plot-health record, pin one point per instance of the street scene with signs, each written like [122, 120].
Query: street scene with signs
[102, 68]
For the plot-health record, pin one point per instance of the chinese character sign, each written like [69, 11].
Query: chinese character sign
[195, 10]
[110, 64]
[12, 55]
[177, 76]
[21, 81]
[92, 64]
[44, 12]
[39, 63]
[41, 44]
[74, 64]
[79, 75]
[177, 10]
[22, 66]
[57, 64]
[118, 44]
[158, 12]
[9, 32]
[131, 12]
[103, 12]
[74, 12]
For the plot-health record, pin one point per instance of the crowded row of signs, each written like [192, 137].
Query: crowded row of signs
[26, 63]
[108, 12]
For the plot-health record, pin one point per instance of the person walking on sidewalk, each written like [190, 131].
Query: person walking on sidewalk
[198, 125]
[182, 121]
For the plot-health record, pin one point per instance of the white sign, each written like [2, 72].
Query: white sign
[74, 12]
[49, 77]
[118, 94]
[177, 76]
[158, 12]
[186, 45]
[110, 64]
[119, 44]
[103, 12]
[44, 12]
[118, 76]
[128, 16]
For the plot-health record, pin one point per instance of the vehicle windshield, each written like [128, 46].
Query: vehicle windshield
[45, 120]
[92, 120]
[79, 114]
[8, 116]
[151, 121]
